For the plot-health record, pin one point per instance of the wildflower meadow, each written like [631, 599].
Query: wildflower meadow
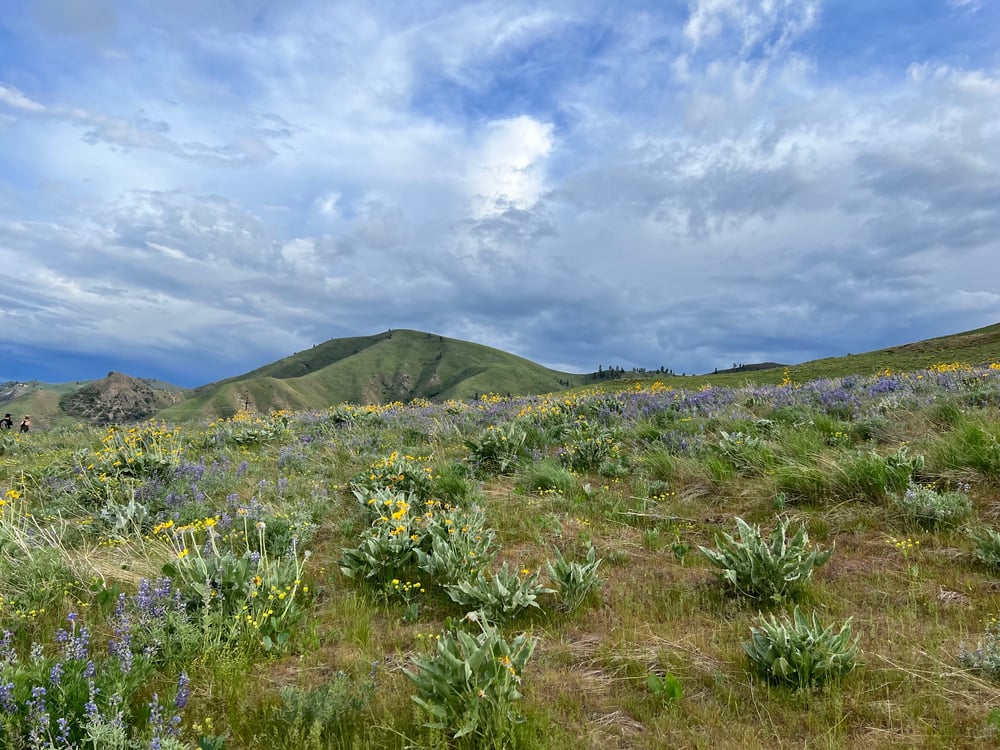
[762, 565]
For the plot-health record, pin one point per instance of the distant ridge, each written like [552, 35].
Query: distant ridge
[400, 365]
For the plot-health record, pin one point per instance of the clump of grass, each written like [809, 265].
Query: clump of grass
[803, 481]
[547, 476]
[972, 447]
[327, 715]
[870, 476]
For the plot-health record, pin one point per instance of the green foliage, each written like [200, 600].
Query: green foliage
[574, 581]
[800, 652]
[500, 596]
[869, 475]
[547, 477]
[747, 452]
[930, 509]
[397, 473]
[770, 571]
[973, 446]
[667, 689]
[328, 715]
[248, 430]
[249, 592]
[589, 447]
[987, 543]
[457, 545]
[450, 543]
[469, 685]
[803, 481]
[452, 484]
[499, 448]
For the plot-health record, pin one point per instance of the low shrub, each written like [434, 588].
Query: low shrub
[930, 509]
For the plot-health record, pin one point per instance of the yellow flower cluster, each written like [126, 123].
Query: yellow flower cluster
[943, 367]
[903, 545]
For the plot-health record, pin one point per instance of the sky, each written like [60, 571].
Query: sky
[189, 189]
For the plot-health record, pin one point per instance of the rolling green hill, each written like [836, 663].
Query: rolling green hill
[402, 365]
[397, 365]
[979, 346]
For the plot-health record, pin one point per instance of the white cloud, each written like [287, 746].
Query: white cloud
[14, 98]
[508, 169]
[572, 183]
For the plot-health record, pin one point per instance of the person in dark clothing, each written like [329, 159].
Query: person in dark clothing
[6, 423]
[26, 424]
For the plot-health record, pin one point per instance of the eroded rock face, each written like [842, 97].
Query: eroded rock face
[117, 398]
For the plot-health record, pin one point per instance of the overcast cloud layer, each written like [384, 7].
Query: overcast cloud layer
[191, 189]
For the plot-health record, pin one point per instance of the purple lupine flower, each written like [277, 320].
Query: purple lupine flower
[183, 691]
[90, 707]
[7, 697]
[7, 653]
[64, 727]
[56, 674]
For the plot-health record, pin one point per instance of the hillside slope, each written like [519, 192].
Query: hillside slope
[397, 365]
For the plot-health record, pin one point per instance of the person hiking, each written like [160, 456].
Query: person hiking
[26, 424]
[6, 423]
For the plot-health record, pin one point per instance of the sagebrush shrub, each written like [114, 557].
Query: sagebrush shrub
[930, 509]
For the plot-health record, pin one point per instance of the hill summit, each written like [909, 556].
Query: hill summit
[118, 398]
[395, 365]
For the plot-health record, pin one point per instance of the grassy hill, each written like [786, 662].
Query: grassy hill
[402, 365]
[979, 346]
[396, 365]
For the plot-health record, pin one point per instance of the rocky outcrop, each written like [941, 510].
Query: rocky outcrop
[117, 399]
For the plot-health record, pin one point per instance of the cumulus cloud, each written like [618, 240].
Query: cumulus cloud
[684, 185]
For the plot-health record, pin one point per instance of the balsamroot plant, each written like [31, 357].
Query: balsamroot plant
[500, 596]
[398, 473]
[799, 651]
[457, 544]
[499, 448]
[771, 570]
[469, 685]
[574, 581]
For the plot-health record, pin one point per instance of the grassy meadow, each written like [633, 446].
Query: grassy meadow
[799, 563]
